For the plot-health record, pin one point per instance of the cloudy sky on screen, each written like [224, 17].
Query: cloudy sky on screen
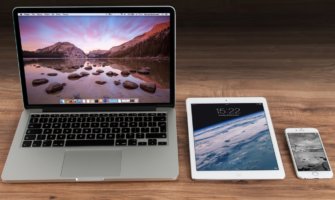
[86, 32]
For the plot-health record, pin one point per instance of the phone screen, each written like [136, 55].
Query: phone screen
[308, 152]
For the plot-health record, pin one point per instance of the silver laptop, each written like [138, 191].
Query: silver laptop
[98, 85]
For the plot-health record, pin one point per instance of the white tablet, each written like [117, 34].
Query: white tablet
[232, 139]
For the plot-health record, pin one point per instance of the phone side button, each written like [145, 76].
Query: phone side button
[315, 173]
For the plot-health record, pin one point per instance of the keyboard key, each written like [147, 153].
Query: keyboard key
[81, 120]
[132, 142]
[135, 130]
[142, 143]
[100, 119]
[120, 142]
[47, 131]
[47, 125]
[85, 125]
[87, 130]
[47, 143]
[43, 120]
[163, 129]
[152, 142]
[101, 136]
[114, 124]
[123, 124]
[155, 135]
[106, 130]
[125, 130]
[61, 137]
[34, 131]
[72, 119]
[145, 130]
[161, 114]
[62, 120]
[29, 137]
[155, 129]
[161, 124]
[75, 125]
[57, 131]
[94, 125]
[41, 137]
[115, 130]
[71, 143]
[35, 125]
[56, 125]
[90, 119]
[140, 135]
[119, 119]
[152, 124]
[142, 124]
[148, 119]
[128, 119]
[160, 118]
[110, 136]
[77, 130]
[120, 136]
[66, 125]
[58, 143]
[37, 143]
[133, 124]
[96, 130]
[71, 136]
[80, 136]
[67, 130]
[90, 136]
[51, 137]
[130, 135]
[162, 143]
[33, 120]
[104, 124]
[26, 143]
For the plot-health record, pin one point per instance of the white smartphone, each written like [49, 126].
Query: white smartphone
[308, 153]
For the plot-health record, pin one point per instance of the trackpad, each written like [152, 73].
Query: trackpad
[94, 163]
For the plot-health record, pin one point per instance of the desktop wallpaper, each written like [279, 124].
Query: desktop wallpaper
[308, 152]
[96, 59]
[232, 137]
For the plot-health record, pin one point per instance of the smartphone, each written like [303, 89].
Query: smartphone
[308, 153]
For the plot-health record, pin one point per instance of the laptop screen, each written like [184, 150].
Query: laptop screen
[96, 58]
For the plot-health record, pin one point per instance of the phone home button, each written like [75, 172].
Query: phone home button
[315, 173]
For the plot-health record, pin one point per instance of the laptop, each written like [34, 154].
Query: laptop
[98, 87]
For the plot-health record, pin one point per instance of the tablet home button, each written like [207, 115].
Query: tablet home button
[315, 173]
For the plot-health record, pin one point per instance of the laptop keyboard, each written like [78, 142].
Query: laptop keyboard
[98, 129]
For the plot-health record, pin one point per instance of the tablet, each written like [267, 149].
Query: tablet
[232, 139]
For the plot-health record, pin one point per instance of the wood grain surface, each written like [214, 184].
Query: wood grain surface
[292, 65]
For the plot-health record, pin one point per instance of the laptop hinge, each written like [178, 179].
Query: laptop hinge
[102, 109]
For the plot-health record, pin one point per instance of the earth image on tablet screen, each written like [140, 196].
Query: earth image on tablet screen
[242, 143]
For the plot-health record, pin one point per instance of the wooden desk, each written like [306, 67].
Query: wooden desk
[293, 68]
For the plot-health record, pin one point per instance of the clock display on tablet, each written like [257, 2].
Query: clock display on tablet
[232, 136]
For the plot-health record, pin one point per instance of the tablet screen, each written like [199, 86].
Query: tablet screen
[233, 136]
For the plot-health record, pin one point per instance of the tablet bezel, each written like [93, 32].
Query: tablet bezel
[235, 174]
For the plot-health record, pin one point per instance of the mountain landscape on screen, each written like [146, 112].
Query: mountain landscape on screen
[154, 43]
[93, 59]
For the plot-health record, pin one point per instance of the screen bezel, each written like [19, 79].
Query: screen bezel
[233, 174]
[307, 174]
[125, 9]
